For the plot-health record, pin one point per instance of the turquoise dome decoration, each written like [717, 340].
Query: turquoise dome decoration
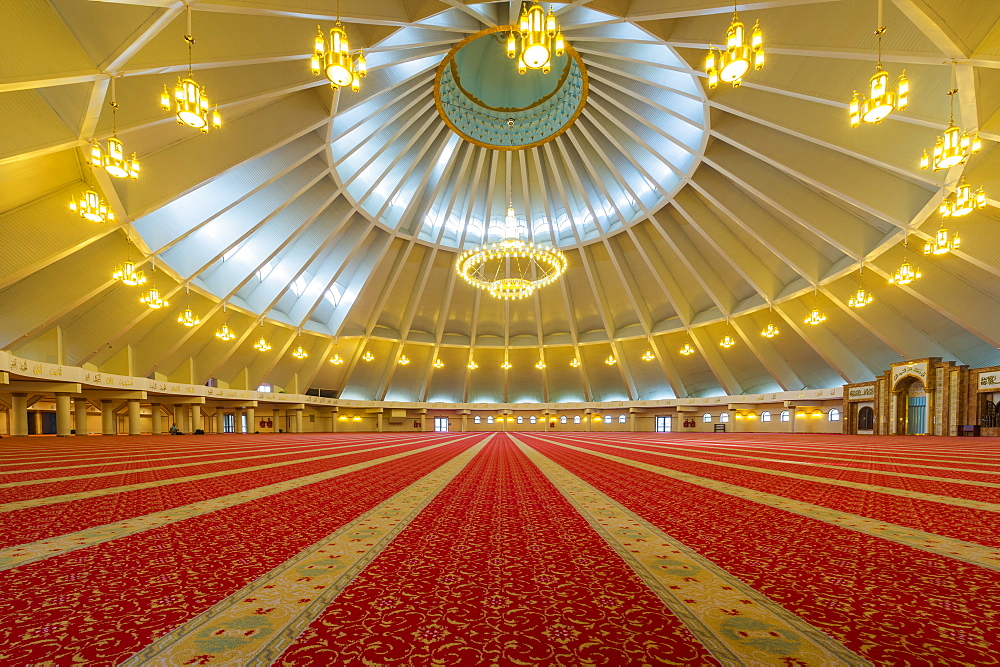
[481, 96]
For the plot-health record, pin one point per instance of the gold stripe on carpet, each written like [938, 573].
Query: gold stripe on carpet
[738, 625]
[256, 624]
[96, 493]
[49, 480]
[932, 497]
[27, 553]
[967, 552]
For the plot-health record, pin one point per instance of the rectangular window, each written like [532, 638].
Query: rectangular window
[440, 423]
[663, 424]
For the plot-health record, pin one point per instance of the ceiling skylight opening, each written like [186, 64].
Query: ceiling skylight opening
[334, 294]
[447, 152]
[298, 286]
[264, 271]
[229, 254]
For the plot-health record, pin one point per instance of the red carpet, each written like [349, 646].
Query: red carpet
[466, 549]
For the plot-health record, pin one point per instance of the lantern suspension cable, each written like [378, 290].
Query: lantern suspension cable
[882, 98]
[111, 157]
[739, 56]
[190, 101]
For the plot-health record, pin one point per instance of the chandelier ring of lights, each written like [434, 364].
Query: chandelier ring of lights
[473, 266]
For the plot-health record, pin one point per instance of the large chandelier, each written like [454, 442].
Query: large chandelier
[943, 242]
[730, 65]
[540, 36]
[511, 268]
[190, 102]
[962, 201]
[112, 158]
[906, 274]
[334, 59]
[91, 207]
[954, 146]
[882, 99]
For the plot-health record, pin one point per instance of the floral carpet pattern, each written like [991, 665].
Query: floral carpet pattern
[500, 549]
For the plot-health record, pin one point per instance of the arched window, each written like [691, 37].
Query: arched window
[724, 417]
[621, 419]
[784, 415]
[562, 420]
[520, 419]
[866, 418]
[607, 419]
[833, 415]
[477, 419]
[576, 419]
[707, 418]
[533, 419]
[489, 420]
[765, 416]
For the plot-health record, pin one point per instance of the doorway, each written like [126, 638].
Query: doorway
[440, 423]
[664, 424]
[916, 415]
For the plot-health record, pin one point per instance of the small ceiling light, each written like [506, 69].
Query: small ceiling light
[506, 365]
[954, 146]
[962, 201]
[299, 353]
[224, 333]
[153, 299]
[611, 361]
[647, 355]
[906, 274]
[540, 36]
[190, 102]
[188, 319]
[357, 418]
[91, 207]
[126, 273]
[112, 157]
[815, 317]
[687, 350]
[730, 65]
[575, 363]
[334, 59]
[943, 242]
[403, 360]
[473, 365]
[368, 356]
[861, 296]
[336, 360]
[438, 363]
[261, 345]
[540, 364]
[770, 331]
[882, 99]
[727, 341]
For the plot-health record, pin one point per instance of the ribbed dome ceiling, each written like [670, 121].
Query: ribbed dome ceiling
[340, 214]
